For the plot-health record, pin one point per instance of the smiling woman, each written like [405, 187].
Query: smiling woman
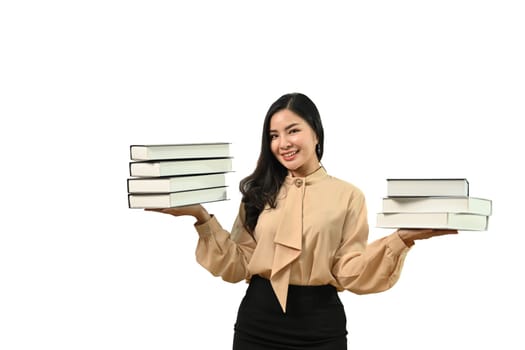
[300, 237]
[293, 143]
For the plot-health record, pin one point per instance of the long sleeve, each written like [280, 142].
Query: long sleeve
[367, 268]
[224, 254]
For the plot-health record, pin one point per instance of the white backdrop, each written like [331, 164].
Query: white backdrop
[405, 88]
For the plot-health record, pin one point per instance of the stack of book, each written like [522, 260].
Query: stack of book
[172, 175]
[442, 203]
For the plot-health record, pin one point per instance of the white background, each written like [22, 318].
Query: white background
[405, 88]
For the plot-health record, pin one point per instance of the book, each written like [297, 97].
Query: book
[427, 187]
[472, 205]
[180, 167]
[175, 183]
[180, 151]
[440, 220]
[176, 199]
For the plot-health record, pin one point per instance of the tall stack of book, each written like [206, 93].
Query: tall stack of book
[441, 203]
[172, 175]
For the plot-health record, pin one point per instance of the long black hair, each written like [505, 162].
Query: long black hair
[262, 186]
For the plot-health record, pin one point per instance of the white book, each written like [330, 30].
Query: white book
[444, 220]
[473, 205]
[177, 199]
[180, 167]
[180, 151]
[427, 187]
[175, 183]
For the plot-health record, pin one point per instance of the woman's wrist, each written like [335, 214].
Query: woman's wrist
[202, 217]
[403, 235]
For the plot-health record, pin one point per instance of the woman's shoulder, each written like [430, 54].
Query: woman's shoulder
[345, 185]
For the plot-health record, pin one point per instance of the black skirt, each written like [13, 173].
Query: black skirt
[314, 319]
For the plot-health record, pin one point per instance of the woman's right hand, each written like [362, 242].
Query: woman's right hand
[195, 210]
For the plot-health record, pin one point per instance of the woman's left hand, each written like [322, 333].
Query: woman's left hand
[410, 235]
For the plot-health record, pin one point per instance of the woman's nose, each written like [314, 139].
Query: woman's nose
[284, 142]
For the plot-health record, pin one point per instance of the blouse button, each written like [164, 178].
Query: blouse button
[298, 182]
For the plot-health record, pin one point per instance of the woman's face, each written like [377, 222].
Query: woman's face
[293, 143]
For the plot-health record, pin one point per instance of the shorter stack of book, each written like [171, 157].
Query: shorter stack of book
[173, 175]
[441, 203]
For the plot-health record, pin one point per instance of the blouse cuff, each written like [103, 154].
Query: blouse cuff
[396, 244]
[207, 228]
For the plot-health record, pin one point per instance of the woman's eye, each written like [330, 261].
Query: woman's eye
[293, 131]
[273, 136]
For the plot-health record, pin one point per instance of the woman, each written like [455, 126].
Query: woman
[300, 237]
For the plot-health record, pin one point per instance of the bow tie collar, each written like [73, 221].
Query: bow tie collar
[289, 235]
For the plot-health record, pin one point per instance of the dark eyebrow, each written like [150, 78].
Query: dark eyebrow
[287, 128]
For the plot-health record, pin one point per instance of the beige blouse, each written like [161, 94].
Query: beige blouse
[317, 235]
